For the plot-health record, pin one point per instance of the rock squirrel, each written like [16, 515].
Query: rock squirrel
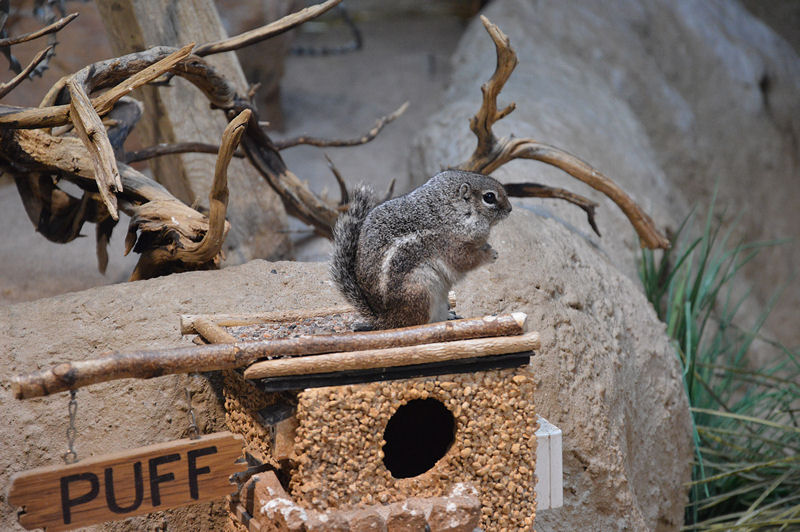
[396, 261]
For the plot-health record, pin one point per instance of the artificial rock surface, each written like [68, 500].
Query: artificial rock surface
[130, 413]
[606, 373]
[668, 98]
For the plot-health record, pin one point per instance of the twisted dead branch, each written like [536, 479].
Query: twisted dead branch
[333, 143]
[491, 153]
[265, 32]
[169, 235]
[50, 28]
[89, 80]
[162, 149]
[92, 133]
[8, 86]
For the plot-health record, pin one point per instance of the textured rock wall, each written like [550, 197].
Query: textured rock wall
[666, 97]
[130, 413]
[606, 375]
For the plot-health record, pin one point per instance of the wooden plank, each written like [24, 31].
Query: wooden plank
[127, 483]
[393, 356]
[469, 365]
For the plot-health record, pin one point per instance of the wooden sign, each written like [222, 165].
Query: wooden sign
[127, 483]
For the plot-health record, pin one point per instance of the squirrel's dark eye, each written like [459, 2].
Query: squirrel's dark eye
[490, 198]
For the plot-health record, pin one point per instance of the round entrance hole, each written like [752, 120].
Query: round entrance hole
[417, 436]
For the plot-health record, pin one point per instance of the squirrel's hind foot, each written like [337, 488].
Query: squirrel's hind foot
[451, 315]
[363, 326]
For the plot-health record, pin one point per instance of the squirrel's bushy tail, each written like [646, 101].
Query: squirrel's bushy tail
[345, 248]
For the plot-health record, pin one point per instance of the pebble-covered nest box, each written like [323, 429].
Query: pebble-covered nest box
[345, 437]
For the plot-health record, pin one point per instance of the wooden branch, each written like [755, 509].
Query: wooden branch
[92, 133]
[51, 28]
[105, 101]
[58, 115]
[491, 152]
[204, 254]
[211, 244]
[344, 195]
[481, 124]
[141, 365]
[333, 143]
[393, 356]
[383, 374]
[7, 87]
[160, 223]
[645, 228]
[265, 32]
[149, 364]
[162, 149]
[535, 190]
[212, 332]
[298, 200]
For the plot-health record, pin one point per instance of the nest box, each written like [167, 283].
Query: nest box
[419, 431]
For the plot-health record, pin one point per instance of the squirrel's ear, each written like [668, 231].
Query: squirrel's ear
[464, 191]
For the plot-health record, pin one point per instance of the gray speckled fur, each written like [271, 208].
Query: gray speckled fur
[396, 261]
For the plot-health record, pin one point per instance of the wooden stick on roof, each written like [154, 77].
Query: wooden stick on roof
[149, 364]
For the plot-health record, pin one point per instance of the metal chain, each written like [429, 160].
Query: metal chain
[70, 457]
[194, 430]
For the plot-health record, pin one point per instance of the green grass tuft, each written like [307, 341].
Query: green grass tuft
[746, 471]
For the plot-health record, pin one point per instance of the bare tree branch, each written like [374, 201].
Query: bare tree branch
[52, 28]
[92, 133]
[211, 244]
[333, 143]
[491, 152]
[46, 117]
[265, 32]
[344, 196]
[171, 149]
[298, 200]
[535, 190]
[7, 87]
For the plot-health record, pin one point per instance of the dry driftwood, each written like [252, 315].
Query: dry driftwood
[92, 133]
[206, 252]
[162, 229]
[393, 356]
[8, 86]
[175, 113]
[149, 364]
[491, 152]
[265, 32]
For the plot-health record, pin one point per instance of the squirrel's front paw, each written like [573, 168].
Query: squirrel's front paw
[489, 252]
